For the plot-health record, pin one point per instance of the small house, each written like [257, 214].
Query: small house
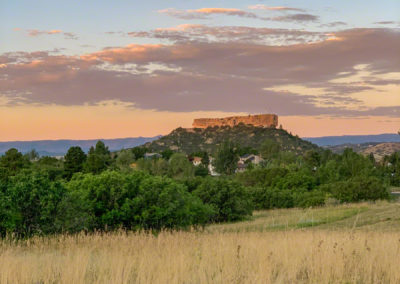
[197, 161]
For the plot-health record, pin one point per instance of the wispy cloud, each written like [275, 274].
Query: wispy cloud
[204, 13]
[203, 33]
[69, 35]
[385, 23]
[36, 33]
[334, 24]
[295, 18]
[39, 32]
[274, 8]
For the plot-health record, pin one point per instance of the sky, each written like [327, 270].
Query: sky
[111, 69]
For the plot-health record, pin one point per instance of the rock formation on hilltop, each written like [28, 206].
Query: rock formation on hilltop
[264, 120]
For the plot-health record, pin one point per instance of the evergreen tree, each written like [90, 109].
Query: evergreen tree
[74, 160]
[226, 159]
[98, 159]
[13, 161]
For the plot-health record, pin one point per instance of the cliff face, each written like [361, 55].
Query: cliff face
[264, 120]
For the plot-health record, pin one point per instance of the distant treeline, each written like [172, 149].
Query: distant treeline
[106, 191]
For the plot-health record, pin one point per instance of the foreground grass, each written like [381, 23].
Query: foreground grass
[344, 244]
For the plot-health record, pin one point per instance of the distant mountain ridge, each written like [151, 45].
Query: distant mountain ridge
[60, 147]
[353, 139]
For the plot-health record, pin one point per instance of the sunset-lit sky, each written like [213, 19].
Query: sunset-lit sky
[111, 69]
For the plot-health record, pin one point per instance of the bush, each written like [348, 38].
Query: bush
[136, 200]
[309, 199]
[261, 176]
[277, 198]
[230, 199]
[357, 189]
[30, 204]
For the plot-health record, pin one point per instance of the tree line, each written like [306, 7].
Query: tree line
[101, 190]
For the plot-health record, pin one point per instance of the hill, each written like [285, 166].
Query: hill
[353, 139]
[382, 149]
[378, 149]
[60, 147]
[189, 140]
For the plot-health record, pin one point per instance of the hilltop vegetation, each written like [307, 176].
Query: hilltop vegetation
[209, 139]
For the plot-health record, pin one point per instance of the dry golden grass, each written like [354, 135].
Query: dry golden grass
[216, 255]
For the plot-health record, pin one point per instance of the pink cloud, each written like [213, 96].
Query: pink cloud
[223, 76]
[274, 8]
[203, 33]
[203, 13]
[38, 32]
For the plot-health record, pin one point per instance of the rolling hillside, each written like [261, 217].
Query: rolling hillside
[208, 139]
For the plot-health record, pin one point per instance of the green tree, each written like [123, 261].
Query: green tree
[180, 166]
[98, 159]
[139, 152]
[166, 154]
[226, 158]
[229, 199]
[201, 171]
[270, 149]
[124, 159]
[111, 200]
[34, 201]
[50, 166]
[32, 155]
[13, 161]
[74, 161]
[312, 158]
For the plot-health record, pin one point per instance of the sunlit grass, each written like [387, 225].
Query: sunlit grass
[285, 219]
[344, 244]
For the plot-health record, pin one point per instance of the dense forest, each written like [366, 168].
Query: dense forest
[101, 190]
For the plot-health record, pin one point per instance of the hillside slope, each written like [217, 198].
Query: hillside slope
[381, 150]
[378, 149]
[208, 139]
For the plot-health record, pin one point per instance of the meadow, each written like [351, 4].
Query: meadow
[355, 243]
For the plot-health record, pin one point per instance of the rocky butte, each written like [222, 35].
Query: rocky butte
[264, 120]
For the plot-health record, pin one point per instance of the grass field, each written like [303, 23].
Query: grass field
[358, 243]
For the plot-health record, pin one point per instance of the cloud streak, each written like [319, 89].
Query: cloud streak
[203, 33]
[37, 33]
[274, 8]
[204, 13]
[295, 18]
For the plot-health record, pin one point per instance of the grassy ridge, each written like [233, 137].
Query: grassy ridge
[209, 139]
[378, 216]
[345, 244]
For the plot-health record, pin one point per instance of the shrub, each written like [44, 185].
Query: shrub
[134, 200]
[32, 202]
[309, 198]
[277, 198]
[230, 199]
[357, 189]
